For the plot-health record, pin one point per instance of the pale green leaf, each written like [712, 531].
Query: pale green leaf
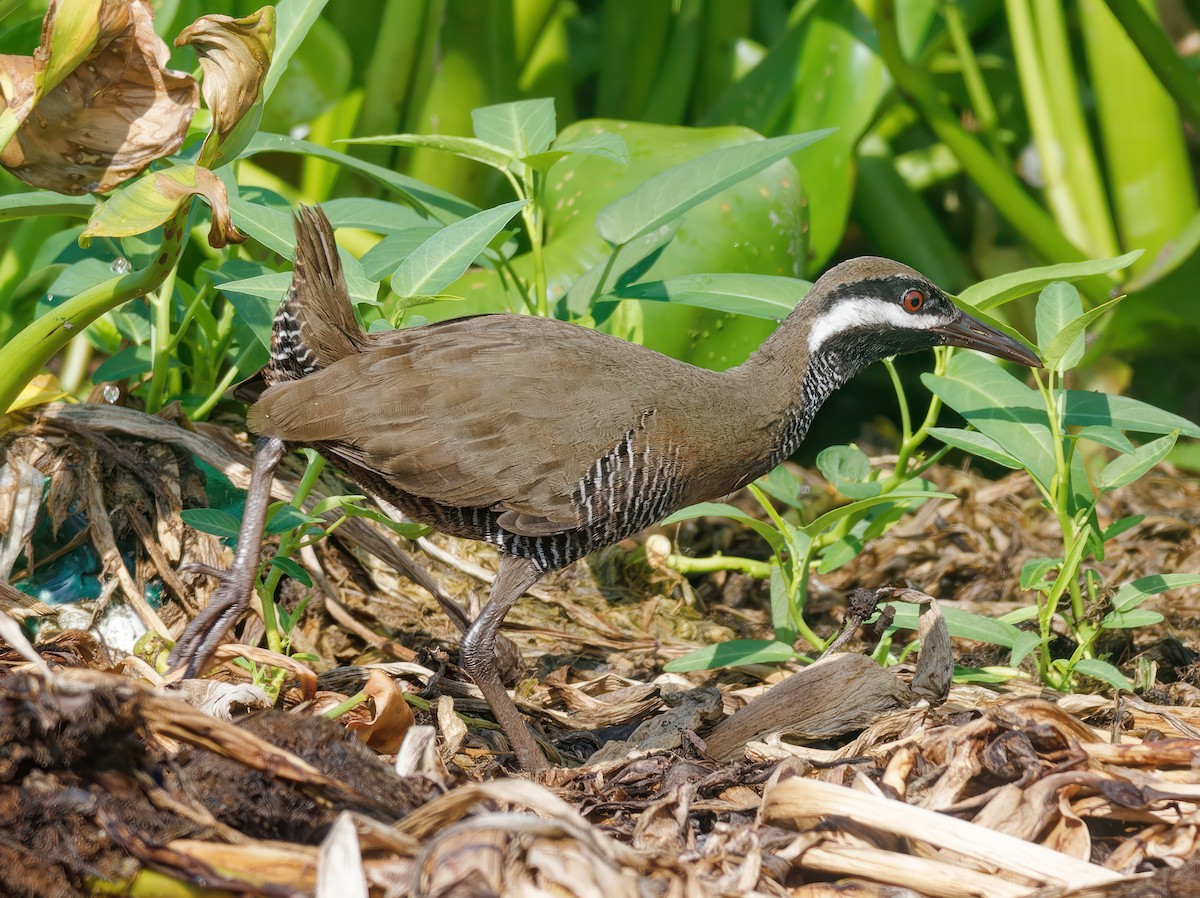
[1083, 409]
[1125, 469]
[756, 295]
[525, 127]
[735, 653]
[605, 145]
[466, 147]
[723, 510]
[446, 256]
[1105, 672]
[975, 443]
[999, 290]
[668, 195]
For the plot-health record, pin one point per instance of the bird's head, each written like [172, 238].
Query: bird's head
[870, 308]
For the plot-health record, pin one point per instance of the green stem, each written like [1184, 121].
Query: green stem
[348, 705]
[160, 342]
[287, 544]
[685, 564]
[996, 182]
[26, 354]
[977, 92]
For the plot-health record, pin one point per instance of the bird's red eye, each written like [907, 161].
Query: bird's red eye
[913, 300]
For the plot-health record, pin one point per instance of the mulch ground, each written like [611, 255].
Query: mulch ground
[840, 778]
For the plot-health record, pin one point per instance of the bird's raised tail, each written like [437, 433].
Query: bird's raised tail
[315, 324]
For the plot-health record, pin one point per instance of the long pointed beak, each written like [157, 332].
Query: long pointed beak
[974, 334]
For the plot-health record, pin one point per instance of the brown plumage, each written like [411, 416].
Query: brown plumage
[552, 440]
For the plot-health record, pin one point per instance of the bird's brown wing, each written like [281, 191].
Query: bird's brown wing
[503, 412]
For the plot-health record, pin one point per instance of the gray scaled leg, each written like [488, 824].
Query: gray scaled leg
[477, 654]
[231, 599]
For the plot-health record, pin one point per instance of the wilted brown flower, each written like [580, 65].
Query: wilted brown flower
[113, 113]
[235, 55]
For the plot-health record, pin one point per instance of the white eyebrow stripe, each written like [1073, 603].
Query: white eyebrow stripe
[861, 311]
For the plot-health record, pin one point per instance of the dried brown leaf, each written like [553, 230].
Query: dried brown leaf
[390, 718]
[116, 111]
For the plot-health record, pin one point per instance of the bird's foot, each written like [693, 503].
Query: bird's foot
[207, 630]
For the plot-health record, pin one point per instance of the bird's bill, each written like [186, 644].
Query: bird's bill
[974, 334]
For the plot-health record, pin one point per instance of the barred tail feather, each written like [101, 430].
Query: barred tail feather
[315, 324]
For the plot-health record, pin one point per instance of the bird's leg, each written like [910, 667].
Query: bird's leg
[231, 598]
[477, 654]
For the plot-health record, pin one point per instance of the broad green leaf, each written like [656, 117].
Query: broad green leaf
[154, 198]
[604, 145]
[843, 463]
[467, 147]
[445, 256]
[666, 196]
[1105, 436]
[1132, 594]
[1025, 643]
[963, 624]
[292, 569]
[1105, 672]
[525, 127]
[211, 520]
[293, 19]
[444, 206]
[1034, 571]
[1066, 349]
[1125, 469]
[132, 361]
[1083, 409]
[43, 202]
[285, 517]
[1001, 407]
[975, 443]
[839, 553]
[1118, 527]
[758, 295]
[832, 516]
[734, 653]
[1127, 620]
[1059, 305]
[371, 214]
[779, 483]
[722, 510]
[274, 286]
[621, 264]
[999, 290]
[386, 255]
[781, 608]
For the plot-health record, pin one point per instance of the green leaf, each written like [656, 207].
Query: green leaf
[963, 624]
[212, 520]
[832, 516]
[292, 569]
[997, 291]
[525, 127]
[843, 463]
[1118, 527]
[604, 145]
[445, 206]
[722, 510]
[1066, 349]
[1034, 571]
[446, 256]
[386, 255]
[975, 443]
[757, 295]
[466, 147]
[1001, 407]
[43, 202]
[782, 485]
[1126, 620]
[1132, 594]
[1057, 307]
[1083, 409]
[275, 285]
[734, 653]
[1105, 436]
[666, 196]
[781, 608]
[287, 517]
[293, 19]
[621, 264]
[1102, 670]
[1025, 643]
[1125, 469]
[839, 553]
[131, 361]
